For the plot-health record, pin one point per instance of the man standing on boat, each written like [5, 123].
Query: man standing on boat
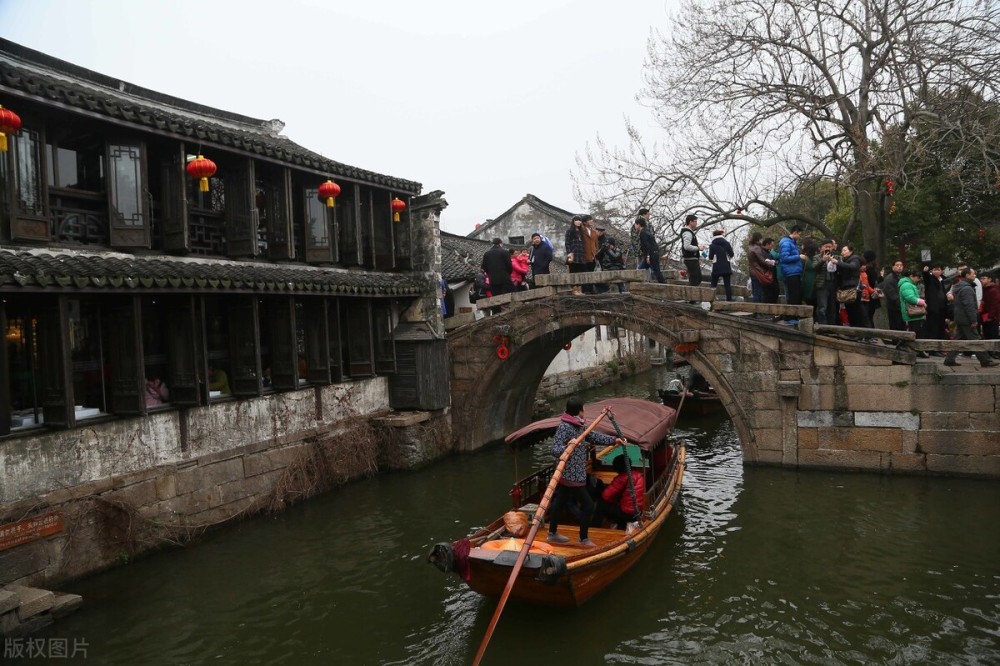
[572, 486]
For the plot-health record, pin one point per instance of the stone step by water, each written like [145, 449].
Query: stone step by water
[24, 610]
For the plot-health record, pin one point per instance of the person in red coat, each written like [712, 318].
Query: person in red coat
[616, 499]
[991, 308]
[519, 268]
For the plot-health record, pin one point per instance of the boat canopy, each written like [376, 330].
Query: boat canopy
[642, 422]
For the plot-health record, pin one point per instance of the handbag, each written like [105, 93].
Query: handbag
[915, 310]
[847, 295]
[765, 278]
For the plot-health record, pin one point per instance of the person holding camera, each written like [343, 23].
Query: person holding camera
[826, 283]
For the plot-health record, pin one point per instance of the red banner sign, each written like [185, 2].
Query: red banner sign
[30, 529]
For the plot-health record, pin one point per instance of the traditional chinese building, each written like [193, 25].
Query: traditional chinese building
[179, 281]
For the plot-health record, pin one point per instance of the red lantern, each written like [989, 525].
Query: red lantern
[568, 346]
[10, 123]
[398, 206]
[890, 188]
[202, 169]
[502, 352]
[329, 191]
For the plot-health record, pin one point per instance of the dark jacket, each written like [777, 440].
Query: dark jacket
[497, 264]
[991, 302]
[540, 258]
[647, 243]
[934, 294]
[966, 310]
[574, 244]
[849, 272]
[721, 251]
[611, 258]
[689, 239]
[890, 287]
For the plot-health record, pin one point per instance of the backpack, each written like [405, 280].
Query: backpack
[479, 287]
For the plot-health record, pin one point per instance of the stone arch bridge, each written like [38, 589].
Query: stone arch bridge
[798, 396]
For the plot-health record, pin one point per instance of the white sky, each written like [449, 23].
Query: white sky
[487, 103]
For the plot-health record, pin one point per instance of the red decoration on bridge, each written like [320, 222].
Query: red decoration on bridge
[202, 169]
[10, 123]
[503, 352]
[329, 191]
[685, 347]
[398, 206]
[568, 346]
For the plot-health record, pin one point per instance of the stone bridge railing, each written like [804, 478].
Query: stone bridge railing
[796, 398]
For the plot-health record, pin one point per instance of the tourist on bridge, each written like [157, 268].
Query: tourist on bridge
[849, 277]
[890, 291]
[648, 249]
[937, 305]
[590, 243]
[791, 259]
[721, 251]
[761, 273]
[909, 295]
[771, 291]
[691, 250]
[634, 249]
[497, 265]
[611, 258]
[519, 268]
[967, 317]
[991, 308]
[574, 249]
[540, 256]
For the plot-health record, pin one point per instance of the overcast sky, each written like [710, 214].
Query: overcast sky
[485, 103]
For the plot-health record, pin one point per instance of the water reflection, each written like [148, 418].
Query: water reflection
[756, 565]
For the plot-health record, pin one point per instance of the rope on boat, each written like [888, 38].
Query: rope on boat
[637, 514]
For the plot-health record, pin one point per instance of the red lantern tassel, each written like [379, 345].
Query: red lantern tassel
[3, 142]
[330, 202]
[395, 217]
[203, 185]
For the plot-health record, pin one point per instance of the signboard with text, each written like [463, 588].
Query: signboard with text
[30, 529]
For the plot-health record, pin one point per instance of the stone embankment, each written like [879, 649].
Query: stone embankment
[27, 609]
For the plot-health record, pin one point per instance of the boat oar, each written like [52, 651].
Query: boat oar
[539, 518]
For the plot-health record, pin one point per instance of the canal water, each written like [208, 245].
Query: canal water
[756, 565]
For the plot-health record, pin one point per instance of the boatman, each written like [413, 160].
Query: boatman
[572, 487]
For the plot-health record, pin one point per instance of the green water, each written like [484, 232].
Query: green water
[756, 565]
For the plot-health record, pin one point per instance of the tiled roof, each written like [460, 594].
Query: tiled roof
[79, 271]
[461, 257]
[40, 76]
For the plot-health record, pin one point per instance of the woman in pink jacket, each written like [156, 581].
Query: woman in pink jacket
[519, 264]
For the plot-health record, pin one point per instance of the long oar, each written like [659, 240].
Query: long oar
[539, 518]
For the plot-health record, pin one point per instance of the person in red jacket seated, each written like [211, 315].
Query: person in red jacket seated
[616, 500]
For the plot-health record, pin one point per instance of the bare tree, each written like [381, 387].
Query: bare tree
[754, 96]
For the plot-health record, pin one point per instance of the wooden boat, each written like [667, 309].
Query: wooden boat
[569, 574]
[698, 403]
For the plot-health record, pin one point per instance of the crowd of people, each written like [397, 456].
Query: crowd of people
[843, 287]
[847, 289]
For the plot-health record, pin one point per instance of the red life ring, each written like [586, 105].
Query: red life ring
[503, 352]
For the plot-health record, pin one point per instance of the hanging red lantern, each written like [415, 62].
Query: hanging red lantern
[10, 123]
[329, 191]
[503, 352]
[398, 206]
[568, 346]
[201, 168]
[890, 188]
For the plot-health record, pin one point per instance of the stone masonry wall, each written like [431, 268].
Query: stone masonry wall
[181, 472]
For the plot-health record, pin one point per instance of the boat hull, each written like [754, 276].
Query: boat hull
[586, 573]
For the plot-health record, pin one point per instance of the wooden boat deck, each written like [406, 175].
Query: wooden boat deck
[602, 536]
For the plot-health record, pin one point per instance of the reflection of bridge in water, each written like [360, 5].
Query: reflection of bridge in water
[798, 395]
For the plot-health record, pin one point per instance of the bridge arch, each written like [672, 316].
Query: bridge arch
[492, 397]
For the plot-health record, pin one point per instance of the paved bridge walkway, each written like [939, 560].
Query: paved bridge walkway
[798, 395]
